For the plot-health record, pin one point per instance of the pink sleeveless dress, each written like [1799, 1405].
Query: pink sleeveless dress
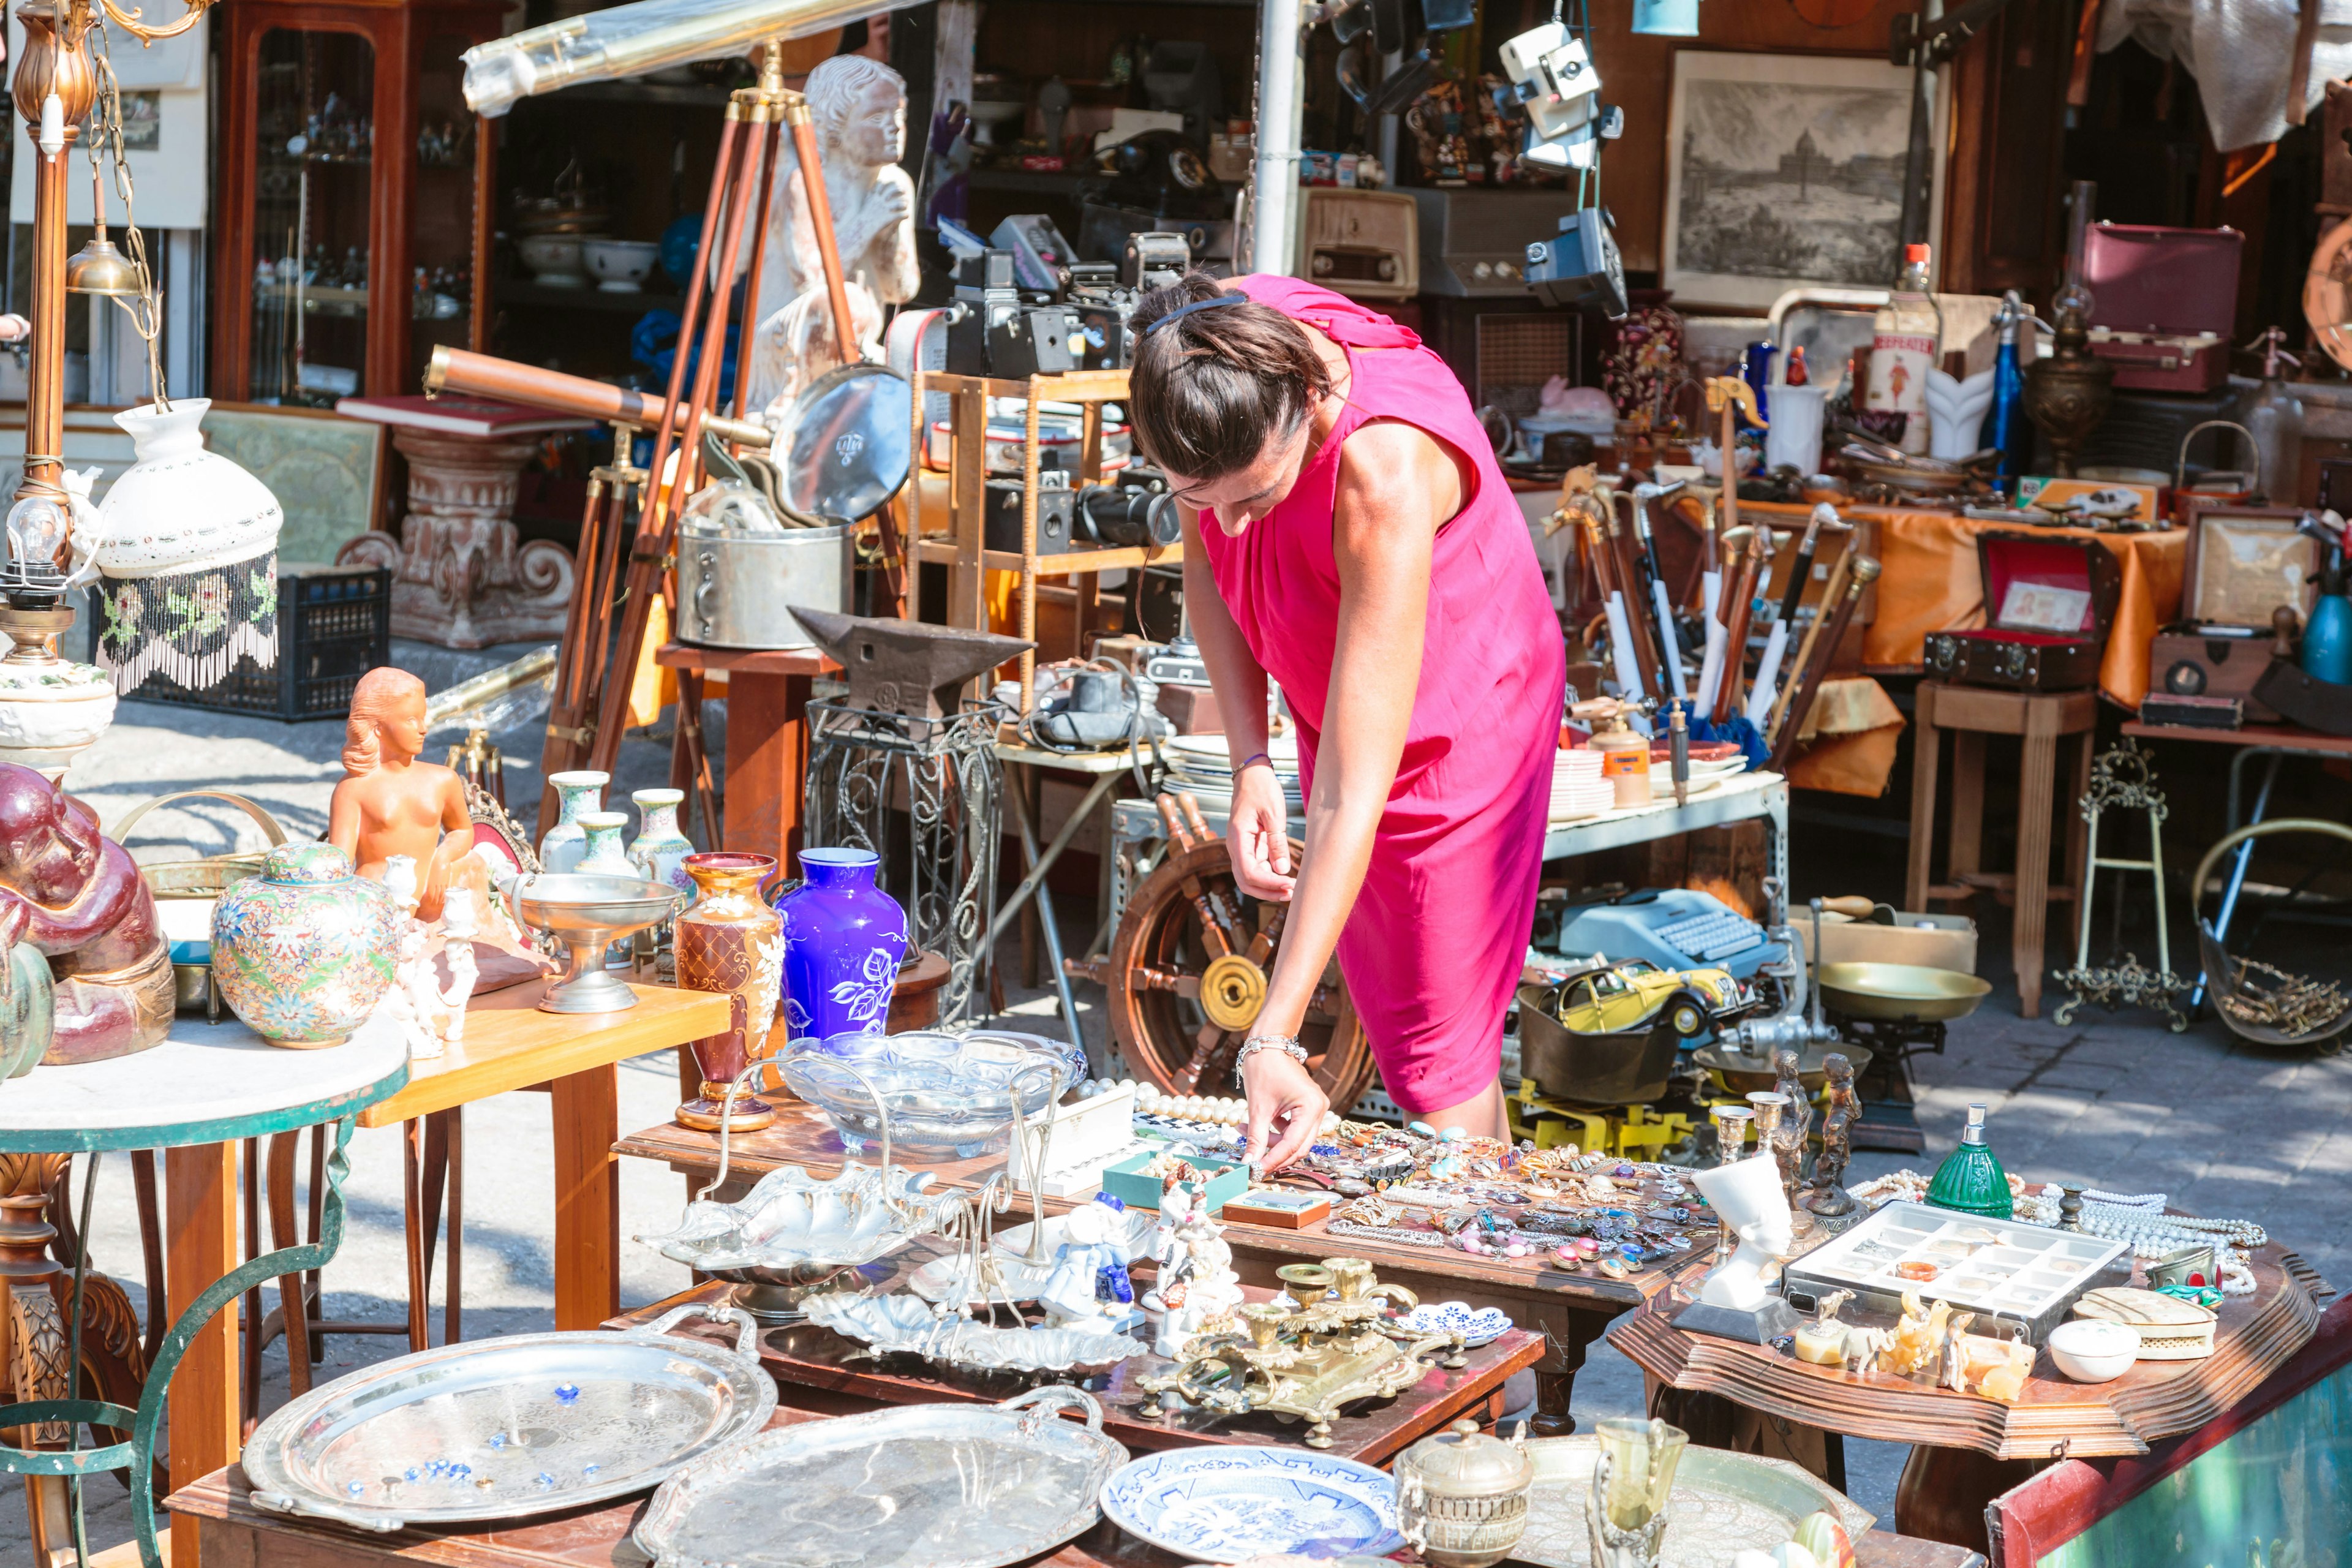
[1433, 948]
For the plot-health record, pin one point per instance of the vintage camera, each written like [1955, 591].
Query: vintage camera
[1579, 266]
[1103, 306]
[992, 331]
[1138, 509]
[1057, 512]
[1154, 260]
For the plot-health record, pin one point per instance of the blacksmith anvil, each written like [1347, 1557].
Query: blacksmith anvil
[906, 666]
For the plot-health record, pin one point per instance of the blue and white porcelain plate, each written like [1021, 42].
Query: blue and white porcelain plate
[1478, 1325]
[1221, 1505]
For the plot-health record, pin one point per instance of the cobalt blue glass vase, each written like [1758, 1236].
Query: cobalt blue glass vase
[844, 940]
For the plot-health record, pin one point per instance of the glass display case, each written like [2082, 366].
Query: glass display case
[354, 187]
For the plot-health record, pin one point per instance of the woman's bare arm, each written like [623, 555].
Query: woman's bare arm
[1397, 486]
[1257, 833]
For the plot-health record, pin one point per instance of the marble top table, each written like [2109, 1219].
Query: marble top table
[208, 1083]
[196, 1096]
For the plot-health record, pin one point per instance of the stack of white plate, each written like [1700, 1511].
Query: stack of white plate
[1703, 775]
[1203, 766]
[1578, 790]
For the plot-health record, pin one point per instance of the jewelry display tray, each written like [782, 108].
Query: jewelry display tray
[2003, 1270]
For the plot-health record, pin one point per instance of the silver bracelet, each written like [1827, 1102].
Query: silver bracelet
[1286, 1043]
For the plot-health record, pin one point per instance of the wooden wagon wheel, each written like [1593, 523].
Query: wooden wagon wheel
[1186, 972]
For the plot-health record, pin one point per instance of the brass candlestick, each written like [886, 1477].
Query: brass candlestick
[2067, 394]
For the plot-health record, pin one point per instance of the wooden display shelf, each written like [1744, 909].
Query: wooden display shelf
[1571, 1310]
[2154, 1400]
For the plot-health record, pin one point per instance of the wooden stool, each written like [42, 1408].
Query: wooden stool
[1972, 712]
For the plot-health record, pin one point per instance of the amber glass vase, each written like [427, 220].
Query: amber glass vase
[730, 941]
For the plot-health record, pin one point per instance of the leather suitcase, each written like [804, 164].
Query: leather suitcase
[2164, 302]
[2050, 602]
[2187, 661]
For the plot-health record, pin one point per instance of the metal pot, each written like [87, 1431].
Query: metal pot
[732, 588]
[1593, 1069]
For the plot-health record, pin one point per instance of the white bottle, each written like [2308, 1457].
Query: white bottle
[1905, 341]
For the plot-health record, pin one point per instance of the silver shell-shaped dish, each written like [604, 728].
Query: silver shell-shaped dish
[508, 1428]
[927, 1485]
[908, 1323]
[792, 1220]
[947, 1096]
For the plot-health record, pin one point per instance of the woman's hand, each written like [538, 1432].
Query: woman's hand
[1257, 834]
[1285, 1106]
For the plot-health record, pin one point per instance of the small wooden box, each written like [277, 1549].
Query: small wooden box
[1284, 1208]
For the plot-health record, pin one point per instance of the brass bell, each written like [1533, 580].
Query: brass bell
[97, 268]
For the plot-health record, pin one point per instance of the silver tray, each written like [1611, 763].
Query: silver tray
[905, 1323]
[927, 1485]
[504, 1428]
[1720, 1503]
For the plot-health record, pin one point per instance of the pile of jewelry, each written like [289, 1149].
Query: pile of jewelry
[1579, 1212]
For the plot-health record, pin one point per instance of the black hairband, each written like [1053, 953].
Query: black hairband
[1182, 310]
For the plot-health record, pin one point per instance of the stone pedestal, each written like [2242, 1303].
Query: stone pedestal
[460, 576]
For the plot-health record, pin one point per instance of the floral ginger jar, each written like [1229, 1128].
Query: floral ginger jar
[304, 952]
[561, 846]
[843, 941]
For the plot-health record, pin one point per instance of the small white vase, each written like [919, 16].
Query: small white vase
[180, 508]
[660, 848]
[1793, 438]
[580, 793]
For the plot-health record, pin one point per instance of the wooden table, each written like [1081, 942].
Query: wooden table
[1968, 1450]
[510, 1045]
[1570, 1309]
[2041, 718]
[236, 1534]
[767, 739]
[821, 1372]
[196, 1096]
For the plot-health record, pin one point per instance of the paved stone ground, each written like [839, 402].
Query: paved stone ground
[2110, 1101]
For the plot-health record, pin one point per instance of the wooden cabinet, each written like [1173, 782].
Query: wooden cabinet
[353, 192]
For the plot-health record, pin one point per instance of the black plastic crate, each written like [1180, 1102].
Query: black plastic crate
[334, 625]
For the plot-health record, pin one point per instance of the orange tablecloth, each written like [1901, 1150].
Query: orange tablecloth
[1931, 583]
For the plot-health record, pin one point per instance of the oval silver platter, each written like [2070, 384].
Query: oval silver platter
[924, 1486]
[508, 1428]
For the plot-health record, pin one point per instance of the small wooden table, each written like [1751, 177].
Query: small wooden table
[1570, 1309]
[240, 1535]
[1968, 1450]
[2040, 718]
[767, 739]
[819, 1371]
[508, 1044]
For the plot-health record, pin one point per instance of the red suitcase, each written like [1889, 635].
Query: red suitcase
[2163, 301]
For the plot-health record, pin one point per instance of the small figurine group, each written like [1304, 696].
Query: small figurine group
[1198, 1293]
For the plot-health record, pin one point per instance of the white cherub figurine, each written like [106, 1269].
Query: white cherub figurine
[1206, 1291]
[458, 931]
[859, 106]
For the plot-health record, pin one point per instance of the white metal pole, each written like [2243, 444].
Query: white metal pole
[1273, 192]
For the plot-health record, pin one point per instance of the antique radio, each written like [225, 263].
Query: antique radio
[2048, 603]
[1362, 244]
[2189, 660]
[2163, 303]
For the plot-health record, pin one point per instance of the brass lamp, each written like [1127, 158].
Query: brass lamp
[97, 268]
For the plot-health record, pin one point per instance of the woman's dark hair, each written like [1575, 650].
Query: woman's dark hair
[1207, 392]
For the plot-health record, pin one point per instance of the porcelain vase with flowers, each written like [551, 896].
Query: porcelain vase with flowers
[843, 941]
[577, 794]
[304, 952]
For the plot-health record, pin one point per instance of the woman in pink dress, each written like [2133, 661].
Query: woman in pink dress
[1348, 535]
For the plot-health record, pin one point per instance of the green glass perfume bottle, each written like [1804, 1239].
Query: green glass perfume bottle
[1970, 1180]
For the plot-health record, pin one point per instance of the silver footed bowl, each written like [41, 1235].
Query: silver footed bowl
[947, 1095]
[587, 912]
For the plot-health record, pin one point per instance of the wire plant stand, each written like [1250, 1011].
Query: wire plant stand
[944, 774]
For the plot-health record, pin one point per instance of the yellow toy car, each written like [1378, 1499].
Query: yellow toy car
[1622, 997]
